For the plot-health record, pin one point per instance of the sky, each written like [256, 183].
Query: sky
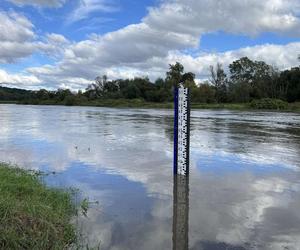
[68, 43]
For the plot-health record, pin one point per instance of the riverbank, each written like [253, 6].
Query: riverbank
[139, 103]
[33, 216]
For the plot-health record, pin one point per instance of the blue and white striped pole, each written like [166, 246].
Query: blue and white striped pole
[181, 130]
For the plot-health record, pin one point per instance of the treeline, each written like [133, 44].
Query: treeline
[248, 80]
[245, 81]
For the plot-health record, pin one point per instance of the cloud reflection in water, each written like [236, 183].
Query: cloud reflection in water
[244, 183]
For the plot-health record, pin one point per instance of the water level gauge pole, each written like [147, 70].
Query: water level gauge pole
[181, 130]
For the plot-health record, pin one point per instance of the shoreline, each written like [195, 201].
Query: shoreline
[137, 103]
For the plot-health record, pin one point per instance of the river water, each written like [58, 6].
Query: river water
[244, 185]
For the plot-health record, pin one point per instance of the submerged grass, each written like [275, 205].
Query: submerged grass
[33, 216]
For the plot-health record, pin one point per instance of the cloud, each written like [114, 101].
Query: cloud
[18, 39]
[146, 48]
[53, 45]
[249, 17]
[57, 39]
[280, 56]
[83, 64]
[39, 3]
[18, 80]
[15, 27]
[87, 7]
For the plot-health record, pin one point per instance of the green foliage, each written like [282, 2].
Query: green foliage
[234, 106]
[70, 100]
[84, 205]
[13, 94]
[251, 80]
[220, 83]
[295, 106]
[205, 93]
[246, 80]
[174, 75]
[291, 88]
[33, 216]
[268, 103]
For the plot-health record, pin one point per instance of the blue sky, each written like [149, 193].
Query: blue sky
[67, 43]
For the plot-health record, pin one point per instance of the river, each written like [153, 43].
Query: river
[244, 185]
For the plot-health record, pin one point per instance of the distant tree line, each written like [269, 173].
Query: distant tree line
[245, 81]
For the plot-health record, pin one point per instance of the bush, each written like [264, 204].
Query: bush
[268, 103]
[70, 100]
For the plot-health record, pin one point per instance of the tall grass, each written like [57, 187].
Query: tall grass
[139, 103]
[33, 216]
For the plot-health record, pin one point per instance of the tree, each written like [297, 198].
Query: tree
[96, 89]
[174, 75]
[250, 79]
[42, 94]
[62, 94]
[241, 76]
[144, 85]
[242, 70]
[160, 83]
[205, 93]
[219, 81]
[290, 84]
[111, 87]
[132, 91]
[274, 83]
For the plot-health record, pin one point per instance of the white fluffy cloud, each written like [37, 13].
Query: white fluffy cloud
[53, 45]
[18, 39]
[18, 79]
[243, 17]
[148, 47]
[71, 70]
[15, 27]
[163, 35]
[39, 3]
[280, 56]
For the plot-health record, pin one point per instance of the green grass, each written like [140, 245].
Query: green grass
[7, 102]
[139, 103]
[33, 216]
[269, 104]
[294, 106]
[235, 106]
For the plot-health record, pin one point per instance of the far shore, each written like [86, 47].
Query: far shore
[138, 103]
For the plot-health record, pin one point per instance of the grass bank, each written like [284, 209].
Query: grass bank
[114, 103]
[294, 106]
[264, 104]
[33, 216]
[139, 103]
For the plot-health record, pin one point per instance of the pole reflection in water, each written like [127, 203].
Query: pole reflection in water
[181, 212]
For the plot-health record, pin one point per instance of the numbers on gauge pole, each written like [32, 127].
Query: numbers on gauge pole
[181, 130]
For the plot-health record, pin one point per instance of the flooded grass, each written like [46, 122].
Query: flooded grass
[33, 216]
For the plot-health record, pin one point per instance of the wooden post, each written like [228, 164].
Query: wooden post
[181, 212]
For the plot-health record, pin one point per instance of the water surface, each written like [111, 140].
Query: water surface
[243, 191]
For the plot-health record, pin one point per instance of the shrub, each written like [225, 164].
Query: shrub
[268, 103]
